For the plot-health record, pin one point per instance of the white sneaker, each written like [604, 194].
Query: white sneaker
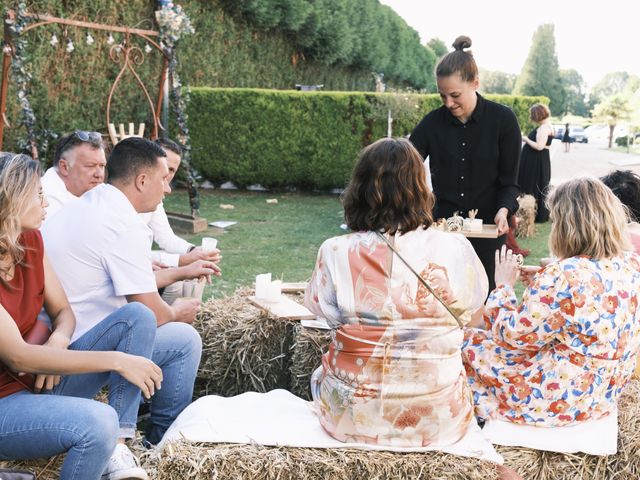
[123, 465]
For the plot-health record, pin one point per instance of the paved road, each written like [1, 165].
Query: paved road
[588, 159]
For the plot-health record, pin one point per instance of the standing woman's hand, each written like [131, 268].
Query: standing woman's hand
[507, 270]
[501, 221]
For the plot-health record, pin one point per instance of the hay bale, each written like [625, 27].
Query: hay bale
[308, 346]
[625, 465]
[526, 216]
[49, 468]
[198, 461]
[243, 348]
[43, 469]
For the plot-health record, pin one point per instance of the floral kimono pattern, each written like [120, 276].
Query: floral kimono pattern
[565, 354]
[393, 374]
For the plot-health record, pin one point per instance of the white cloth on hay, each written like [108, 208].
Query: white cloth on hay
[279, 418]
[594, 437]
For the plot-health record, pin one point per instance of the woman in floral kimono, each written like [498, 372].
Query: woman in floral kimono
[565, 354]
[393, 374]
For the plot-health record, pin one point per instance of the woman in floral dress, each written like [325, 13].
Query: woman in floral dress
[565, 354]
[393, 374]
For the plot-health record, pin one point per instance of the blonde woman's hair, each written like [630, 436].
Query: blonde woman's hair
[588, 219]
[19, 176]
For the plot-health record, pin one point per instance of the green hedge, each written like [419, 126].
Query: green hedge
[69, 90]
[303, 139]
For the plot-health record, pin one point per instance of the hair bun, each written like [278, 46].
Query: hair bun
[462, 42]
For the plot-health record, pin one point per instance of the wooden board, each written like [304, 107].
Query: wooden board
[283, 308]
[294, 287]
[489, 230]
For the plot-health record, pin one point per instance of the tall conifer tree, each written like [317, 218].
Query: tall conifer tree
[540, 74]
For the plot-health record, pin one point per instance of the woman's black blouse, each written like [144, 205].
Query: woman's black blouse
[473, 165]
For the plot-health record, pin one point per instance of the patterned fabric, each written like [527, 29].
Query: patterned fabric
[393, 374]
[566, 353]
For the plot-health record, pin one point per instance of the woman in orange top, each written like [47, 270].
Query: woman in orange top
[42, 425]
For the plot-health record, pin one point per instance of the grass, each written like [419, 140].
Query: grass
[282, 238]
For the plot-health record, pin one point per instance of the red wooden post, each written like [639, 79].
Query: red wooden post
[6, 65]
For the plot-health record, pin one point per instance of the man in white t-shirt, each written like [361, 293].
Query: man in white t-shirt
[175, 251]
[78, 166]
[101, 250]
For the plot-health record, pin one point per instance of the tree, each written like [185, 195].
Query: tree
[438, 47]
[575, 101]
[611, 84]
[496, 82]
[612, 110]
[540, 74]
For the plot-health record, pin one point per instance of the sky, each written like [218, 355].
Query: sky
[594, 38]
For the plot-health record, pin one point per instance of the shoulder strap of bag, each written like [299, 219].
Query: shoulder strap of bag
[422, 280]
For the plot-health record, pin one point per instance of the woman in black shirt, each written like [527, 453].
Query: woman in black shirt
[473, 146]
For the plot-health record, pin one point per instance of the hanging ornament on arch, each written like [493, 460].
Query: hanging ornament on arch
[70, 48]
[54, 40]
[110, 39]
[89, 39]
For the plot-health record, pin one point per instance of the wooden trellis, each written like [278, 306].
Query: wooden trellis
[125, 52]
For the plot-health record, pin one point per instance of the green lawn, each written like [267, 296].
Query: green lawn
[281, 238]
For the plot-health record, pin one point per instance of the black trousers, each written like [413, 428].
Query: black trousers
[486, 250]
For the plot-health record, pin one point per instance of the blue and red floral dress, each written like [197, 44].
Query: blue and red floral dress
[563, 355]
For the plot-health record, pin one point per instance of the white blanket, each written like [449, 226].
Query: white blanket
[279, 418]
[595, 437]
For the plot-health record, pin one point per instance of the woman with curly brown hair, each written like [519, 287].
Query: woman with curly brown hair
[393, 374]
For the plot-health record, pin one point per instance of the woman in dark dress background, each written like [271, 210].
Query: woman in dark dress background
[566, 139]
[535, 161]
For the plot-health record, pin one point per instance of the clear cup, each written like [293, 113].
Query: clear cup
[193, 289]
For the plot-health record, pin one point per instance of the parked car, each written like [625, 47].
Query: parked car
[597, 132]
[576, 133]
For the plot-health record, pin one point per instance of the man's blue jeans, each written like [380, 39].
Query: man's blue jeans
[40, 426]
[177, 352]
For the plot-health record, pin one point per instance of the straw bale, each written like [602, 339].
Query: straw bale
[625, 465]
[198, 461]
[526, 216]
[49, 468]
[43, 469]
[309, 345]
[243, 348]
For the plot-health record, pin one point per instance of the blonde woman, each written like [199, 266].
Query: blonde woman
[535, 162]
[42, 415]
[565, 354]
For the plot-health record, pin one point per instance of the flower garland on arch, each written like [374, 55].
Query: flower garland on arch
[173, 23]
[22, 76]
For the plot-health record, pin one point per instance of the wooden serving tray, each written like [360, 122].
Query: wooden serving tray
[283, 308]
[294, 287]
[489, 230]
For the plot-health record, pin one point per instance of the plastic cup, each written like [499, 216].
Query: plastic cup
[209, 244]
